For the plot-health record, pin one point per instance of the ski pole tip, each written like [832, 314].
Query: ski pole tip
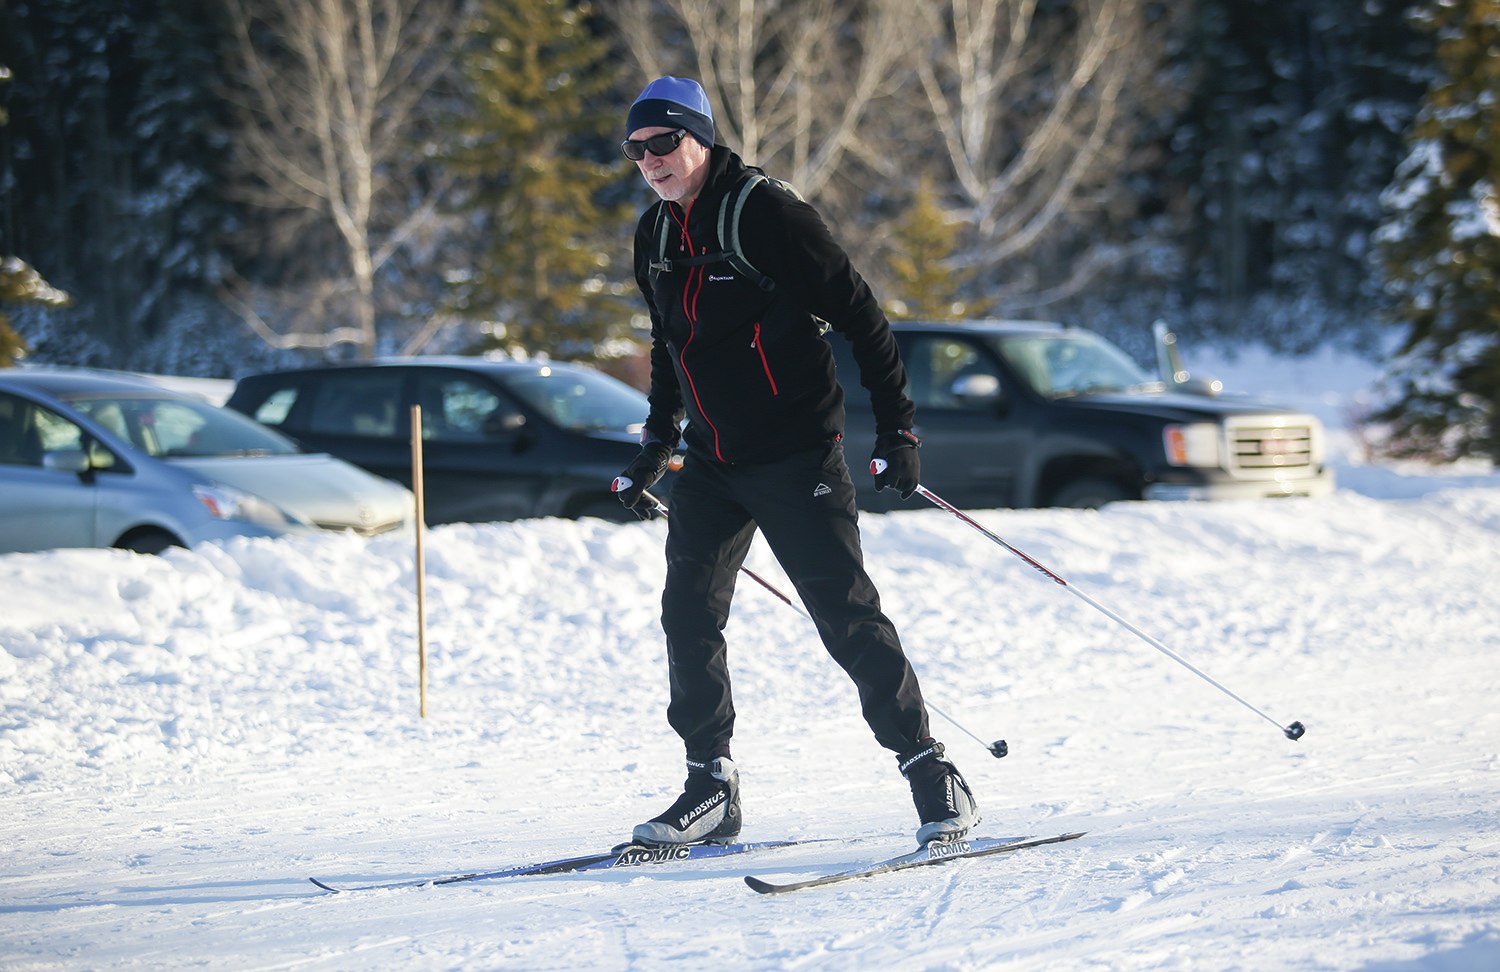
[998, 748]
[1295, 731]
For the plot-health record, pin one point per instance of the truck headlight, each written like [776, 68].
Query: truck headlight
[1192, 445]
[228, 503]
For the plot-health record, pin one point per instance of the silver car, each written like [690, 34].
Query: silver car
[104, 460]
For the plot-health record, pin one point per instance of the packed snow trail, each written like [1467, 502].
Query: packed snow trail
[185, 739]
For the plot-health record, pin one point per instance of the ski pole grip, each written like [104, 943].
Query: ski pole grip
[878, 466]
[621, 484]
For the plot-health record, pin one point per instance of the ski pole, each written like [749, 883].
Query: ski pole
[662, 509]
[997, 749]
[1293, 731]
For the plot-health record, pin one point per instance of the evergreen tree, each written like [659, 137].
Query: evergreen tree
[1294, 130]
[19, 283]
[1442, 246]
[925, 285]
[111, 180]
[538, 120]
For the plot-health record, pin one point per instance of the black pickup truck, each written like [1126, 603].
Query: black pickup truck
[1027, 413]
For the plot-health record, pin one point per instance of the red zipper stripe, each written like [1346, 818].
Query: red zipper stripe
[690, 310]
[764, 364]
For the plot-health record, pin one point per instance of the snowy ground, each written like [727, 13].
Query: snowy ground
[184, 740]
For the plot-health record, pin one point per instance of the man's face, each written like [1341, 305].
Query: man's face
[679, 175]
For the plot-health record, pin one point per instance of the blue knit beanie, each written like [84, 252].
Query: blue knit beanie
[673, 103]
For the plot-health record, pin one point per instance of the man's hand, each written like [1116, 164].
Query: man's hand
[643, 472]
[894, 462]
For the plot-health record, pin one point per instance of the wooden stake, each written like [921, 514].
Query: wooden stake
[416, 488]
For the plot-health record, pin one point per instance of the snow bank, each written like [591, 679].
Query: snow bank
[186, 739]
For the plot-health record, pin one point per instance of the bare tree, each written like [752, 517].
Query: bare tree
[792, 82]
[329, 93]
[1021, 111]
[1028, 106]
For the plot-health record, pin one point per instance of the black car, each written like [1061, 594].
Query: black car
[1027, 413]
[501, 439]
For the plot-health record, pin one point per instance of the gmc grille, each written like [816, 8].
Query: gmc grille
[1263, 447]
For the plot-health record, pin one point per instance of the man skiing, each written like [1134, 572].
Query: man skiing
[737, 344]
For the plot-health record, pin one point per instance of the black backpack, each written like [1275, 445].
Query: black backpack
[728, 231]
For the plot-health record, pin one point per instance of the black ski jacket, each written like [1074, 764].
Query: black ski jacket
[751, 368]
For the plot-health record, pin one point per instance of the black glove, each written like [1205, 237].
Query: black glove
[902, 469]
[643, 472]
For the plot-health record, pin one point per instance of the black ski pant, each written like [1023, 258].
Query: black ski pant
[804, 507]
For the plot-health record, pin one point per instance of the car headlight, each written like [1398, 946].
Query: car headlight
[228, 503]
[1192, 445]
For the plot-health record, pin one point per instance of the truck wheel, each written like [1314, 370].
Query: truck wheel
[1089, 494]
[148, 541]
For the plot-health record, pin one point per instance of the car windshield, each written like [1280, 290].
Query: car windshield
[586, 401]
[181, 427]
[1071, 363]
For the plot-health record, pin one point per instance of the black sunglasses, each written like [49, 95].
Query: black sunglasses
[657, 145]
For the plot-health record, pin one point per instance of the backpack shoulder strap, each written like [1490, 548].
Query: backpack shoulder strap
[730, 209]
[729, 225]
[661, 264]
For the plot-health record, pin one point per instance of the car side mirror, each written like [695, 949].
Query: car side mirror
[1208, 387]
[504, 424]
[1169, 365]
[509, 427]
[977, 390]
[74, 461]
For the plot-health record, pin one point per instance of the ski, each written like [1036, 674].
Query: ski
[936, 852]
[623, 855]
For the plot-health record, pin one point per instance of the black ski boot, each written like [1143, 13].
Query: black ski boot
[945, 804]
[708, 812]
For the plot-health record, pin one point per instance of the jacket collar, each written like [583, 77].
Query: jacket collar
[725, 169]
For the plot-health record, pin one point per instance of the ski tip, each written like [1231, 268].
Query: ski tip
[325, 887]
[757, 885]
